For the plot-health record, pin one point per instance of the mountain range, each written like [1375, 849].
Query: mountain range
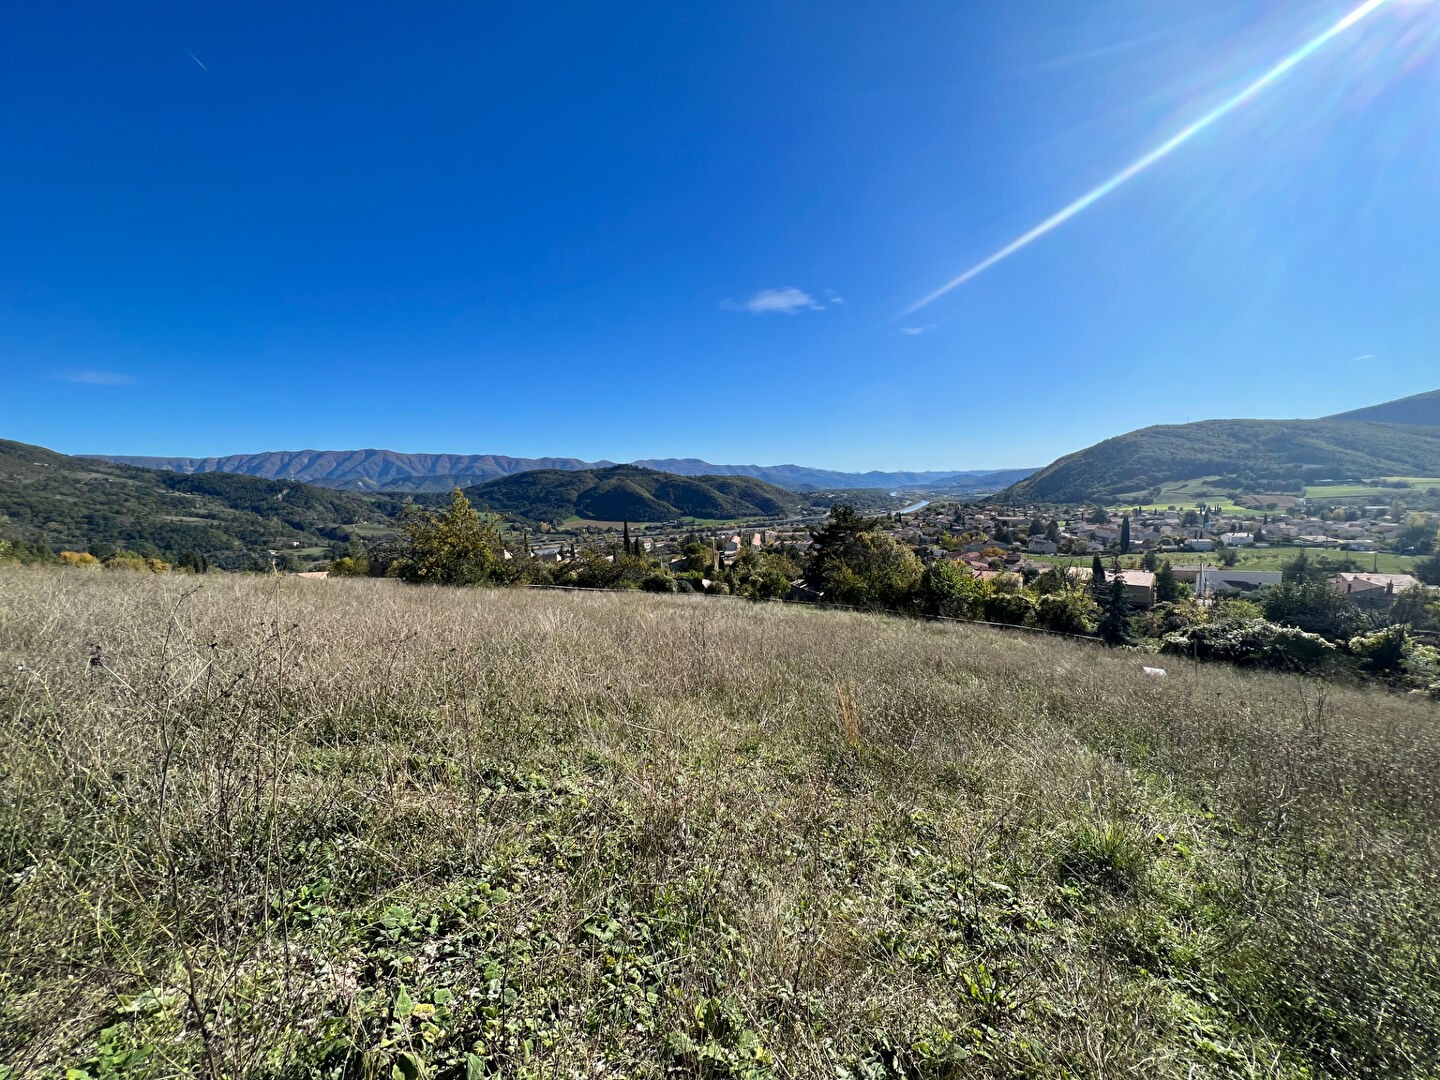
[387, 470]
[1395, 438]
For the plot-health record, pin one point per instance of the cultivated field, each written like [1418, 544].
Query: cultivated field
[1270, 557]
[259, 827]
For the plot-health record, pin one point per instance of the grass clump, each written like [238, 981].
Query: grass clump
[283, 829]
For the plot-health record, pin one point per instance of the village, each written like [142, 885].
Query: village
[1209, 551]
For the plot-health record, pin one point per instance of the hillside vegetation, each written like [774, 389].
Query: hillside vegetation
[1266, 455]
[277, 828]
[631, 493]
[82, 503]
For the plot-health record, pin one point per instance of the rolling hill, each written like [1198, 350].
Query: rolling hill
[1273, 455]
[387, 470]
[83, 503]
[630, 493]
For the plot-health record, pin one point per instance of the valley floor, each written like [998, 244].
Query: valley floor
[259, 827]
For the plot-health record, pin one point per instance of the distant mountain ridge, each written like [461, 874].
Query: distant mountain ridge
[1255, 454]
[1421, 409]
[360, 470]
[389, 470]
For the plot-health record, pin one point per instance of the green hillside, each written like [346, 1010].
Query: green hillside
[630, 493]
[86, 504]
[1272, 455]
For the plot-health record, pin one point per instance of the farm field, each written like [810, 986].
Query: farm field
[1185, 495]
[1209, 490]
[1253, 558]
[262, 827]
[1381, 494]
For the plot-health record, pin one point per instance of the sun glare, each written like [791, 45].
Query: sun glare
[1417, 41]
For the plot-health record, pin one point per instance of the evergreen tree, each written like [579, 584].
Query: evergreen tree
[1297, 569]
[1150, 561]
[1167, 589]
[1097, 577]
[1125, 534]
[1428, 570]
[1114, 626]
[625, 537]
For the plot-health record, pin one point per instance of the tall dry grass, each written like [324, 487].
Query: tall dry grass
[275, 828]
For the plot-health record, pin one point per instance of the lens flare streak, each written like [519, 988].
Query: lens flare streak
[1169, 146]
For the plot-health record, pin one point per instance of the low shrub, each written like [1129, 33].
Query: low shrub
[1252, 643]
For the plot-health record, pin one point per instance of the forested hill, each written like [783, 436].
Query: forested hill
[1266, 454]
[630, 493]
[86, 504]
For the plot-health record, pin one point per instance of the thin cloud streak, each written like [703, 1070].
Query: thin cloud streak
[785, 301]
[1359, 359]
[95, 378]
[196, 59]
[1160, 152]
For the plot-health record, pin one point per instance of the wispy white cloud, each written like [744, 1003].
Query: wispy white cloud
[197, 60]
[916, 331]
[95, 378]
[786, 301]
[1361, 358]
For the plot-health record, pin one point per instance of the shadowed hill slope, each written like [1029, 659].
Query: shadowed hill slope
[631, 493]
[71, 502]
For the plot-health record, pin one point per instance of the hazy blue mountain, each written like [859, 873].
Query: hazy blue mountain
[1422, 409]
[387, 470]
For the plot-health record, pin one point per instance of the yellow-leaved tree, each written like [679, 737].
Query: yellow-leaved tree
[457, 546]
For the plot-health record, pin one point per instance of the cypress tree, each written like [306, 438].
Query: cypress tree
[1166, 588]
[625, 539]
[1097, 577]
[1114, 627]
[1125, 534]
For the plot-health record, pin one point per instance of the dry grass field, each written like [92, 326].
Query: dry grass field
[274, 828]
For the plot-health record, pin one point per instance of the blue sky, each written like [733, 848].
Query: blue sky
[662, 229]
